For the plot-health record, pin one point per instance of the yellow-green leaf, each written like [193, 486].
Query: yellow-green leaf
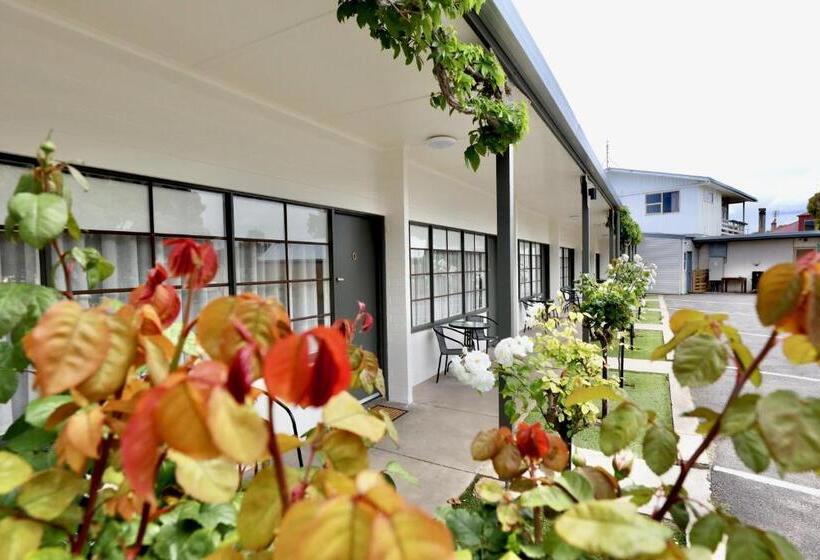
[345, 451]
[621, 427]
[14, 471]
[237, 430]
[48, 493]
[613, 528]
[211, 480]
[699, 360]
[343, 411]
[19, 538]
[791, 427]
[778, 291]
[799, 349]
[260, 512]
[593, 393]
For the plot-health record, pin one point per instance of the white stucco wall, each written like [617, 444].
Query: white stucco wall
[745, 257]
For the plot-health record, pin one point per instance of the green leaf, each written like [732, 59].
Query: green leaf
[96, 267]
[552, 497]
[14, 471]
[557, 549]
[751, 449]
[12, 363]
[699, 360]
[467, 526]
[41, 217]
[744, 355]
[740, 415]
[48, 493]
[38, 411]
[708, 531]
[578, 486]
[73, 227]
[746, 543]
[211, 515]
[782, 549]
[594, 393]
[660, 448]
[19, 537]
[260, 512]
[28, 184]
[395, 470]
[680, 515]
[23, 303]
[489, 491]
[612, 528]
[708, 415]
[621, 427]
[791, 428]
[50, 553]
[78, 176]
[640, 495]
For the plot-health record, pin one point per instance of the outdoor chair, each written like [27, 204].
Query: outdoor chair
[490, 336]
[445, 352]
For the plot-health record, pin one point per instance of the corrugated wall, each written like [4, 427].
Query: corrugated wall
[667, 254]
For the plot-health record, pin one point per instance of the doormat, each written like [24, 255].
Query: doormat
[392, 412]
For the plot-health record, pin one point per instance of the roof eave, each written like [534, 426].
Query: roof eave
[500, 26]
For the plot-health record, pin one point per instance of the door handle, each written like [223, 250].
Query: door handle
[340, 279]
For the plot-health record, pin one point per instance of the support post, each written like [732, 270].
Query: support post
[618, 247]
[584, 226]
[506, 265]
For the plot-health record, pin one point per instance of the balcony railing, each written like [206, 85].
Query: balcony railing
[732, 227]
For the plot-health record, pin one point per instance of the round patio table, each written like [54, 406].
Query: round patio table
[471, 328]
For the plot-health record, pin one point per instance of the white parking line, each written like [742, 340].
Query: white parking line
[815, 492]
[786, 375]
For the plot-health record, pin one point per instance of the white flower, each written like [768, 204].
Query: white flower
[476, 362]
[624, 258]
[457, 369]
[483, 381]
[503, 352]
[637, 258]
[522, 345]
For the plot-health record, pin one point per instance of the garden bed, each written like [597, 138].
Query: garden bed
[652, 316]
[645, 343]
[650, 391]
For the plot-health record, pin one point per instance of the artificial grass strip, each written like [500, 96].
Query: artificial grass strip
[645, 343]
[651, 316]
[650, 391]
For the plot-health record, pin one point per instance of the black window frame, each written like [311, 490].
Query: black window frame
[46, 260]
[542, 269]
[567, 263]
[659, 200]
[431, 275]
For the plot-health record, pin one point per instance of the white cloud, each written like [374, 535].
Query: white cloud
[729, 89]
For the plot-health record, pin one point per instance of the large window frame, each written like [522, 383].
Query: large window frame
[225, 281]
[533, 278]
[666, 202]
[461, 278]
[567, 268]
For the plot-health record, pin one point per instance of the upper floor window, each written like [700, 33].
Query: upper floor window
[448, 274]
[663, 203]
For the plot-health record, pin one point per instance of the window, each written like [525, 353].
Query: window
[448, 274]
[663, 203]
[286, 260]
[280, 250]
[567, 267]
[530, 269]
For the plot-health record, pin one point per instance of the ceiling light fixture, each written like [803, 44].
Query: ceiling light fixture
[440, 142]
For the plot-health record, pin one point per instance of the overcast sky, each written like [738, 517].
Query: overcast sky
[725, 88]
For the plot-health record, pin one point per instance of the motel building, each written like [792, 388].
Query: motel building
[309, 158]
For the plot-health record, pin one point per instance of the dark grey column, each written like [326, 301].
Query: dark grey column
[506, 265]
[584, 226]
[617, 233]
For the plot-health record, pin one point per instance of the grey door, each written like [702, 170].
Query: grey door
[357, 242]
[688, 271]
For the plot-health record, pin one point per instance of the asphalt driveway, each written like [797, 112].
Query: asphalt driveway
[789, 505]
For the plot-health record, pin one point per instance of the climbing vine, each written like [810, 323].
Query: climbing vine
[470, 78]
[631, 234]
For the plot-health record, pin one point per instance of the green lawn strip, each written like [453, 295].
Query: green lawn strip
[650, 391]
[645, 342]
[652, 316]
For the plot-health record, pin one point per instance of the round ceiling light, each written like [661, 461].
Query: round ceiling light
[440, 142]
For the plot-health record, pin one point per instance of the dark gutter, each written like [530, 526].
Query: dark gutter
[501, 29]
[757, 237]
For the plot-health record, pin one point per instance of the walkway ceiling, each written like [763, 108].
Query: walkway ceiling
[289, 57]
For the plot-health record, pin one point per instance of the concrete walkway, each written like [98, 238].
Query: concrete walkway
[435, 437]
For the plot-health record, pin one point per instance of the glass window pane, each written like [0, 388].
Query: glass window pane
[188, 212]
[653, 198]
[469, 242]
[309, 298]
[111, 205]
[455, 305]
[439, 261]
[258, 219]
[440, 308]
[219, 245]
[454, 261]
[453, 240]
[440, 284]
[308, 262]
[130, 255]
[419, 237]
[479, 243]
[439, 239]
[419, 261]
[307, 224]
[259, 261]
[419, 287]
[18, 263]
[9, 175]
[454, 283]
[421, 312]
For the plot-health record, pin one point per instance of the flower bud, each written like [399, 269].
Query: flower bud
[622, 463]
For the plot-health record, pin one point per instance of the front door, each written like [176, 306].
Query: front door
[357, 267]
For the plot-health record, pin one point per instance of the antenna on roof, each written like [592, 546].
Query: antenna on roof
[607, 152]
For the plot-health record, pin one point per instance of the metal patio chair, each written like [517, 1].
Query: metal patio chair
[445, 352]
